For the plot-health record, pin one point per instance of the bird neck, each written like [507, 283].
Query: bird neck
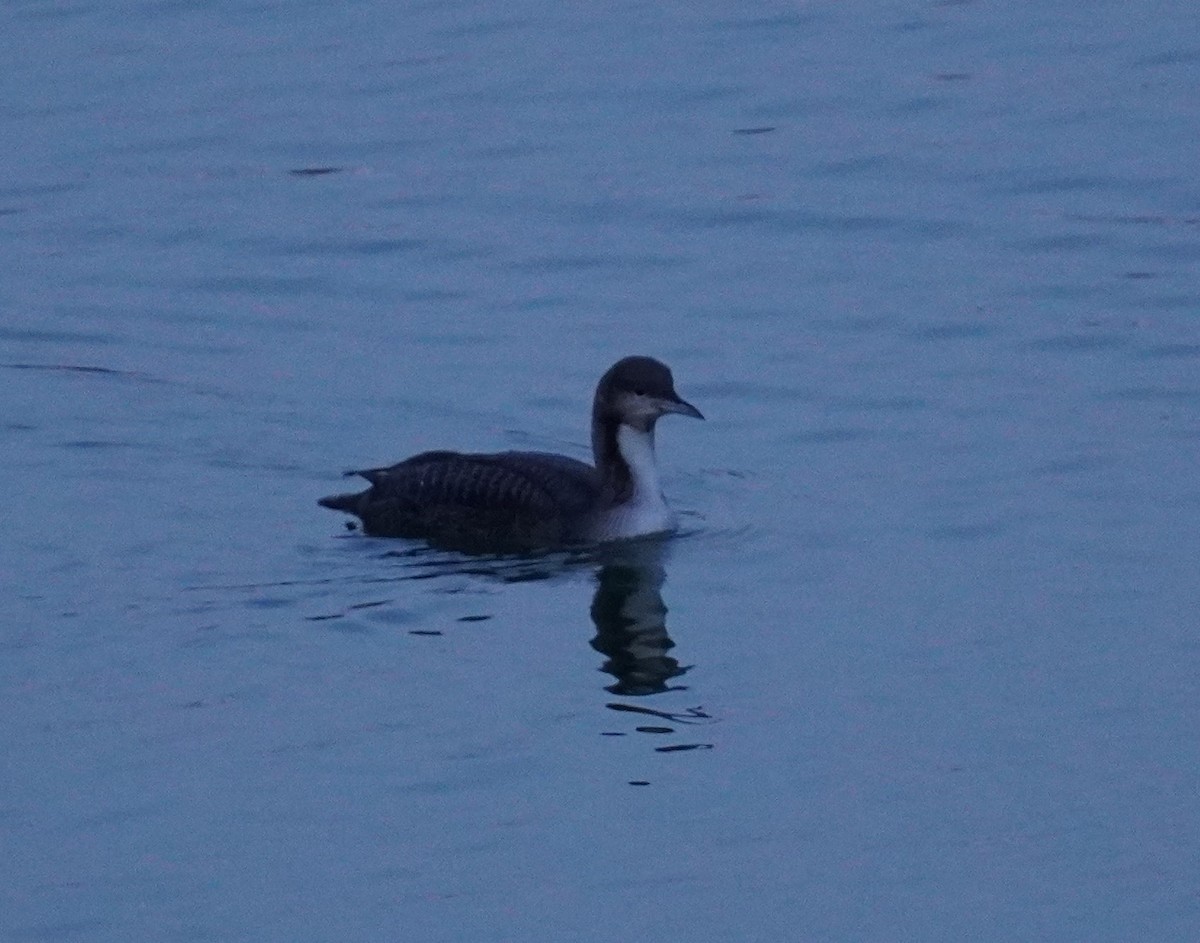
[625, 460]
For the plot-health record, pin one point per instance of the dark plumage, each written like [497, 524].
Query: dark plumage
[528, 500]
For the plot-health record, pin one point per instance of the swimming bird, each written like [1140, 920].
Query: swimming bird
[507, 501]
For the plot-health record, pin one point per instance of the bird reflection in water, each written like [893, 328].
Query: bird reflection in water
[631, 632]
[627, 610]
[631, 618]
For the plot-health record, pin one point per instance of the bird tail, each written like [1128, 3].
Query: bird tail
[341, 502]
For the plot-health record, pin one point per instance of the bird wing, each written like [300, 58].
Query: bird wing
[506, 500]
[534, 482]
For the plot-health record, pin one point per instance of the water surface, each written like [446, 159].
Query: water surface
[922, 664]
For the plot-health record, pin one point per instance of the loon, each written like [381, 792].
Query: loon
[535, 500]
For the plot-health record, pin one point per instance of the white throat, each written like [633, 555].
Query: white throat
[637, 448]
[646, 511]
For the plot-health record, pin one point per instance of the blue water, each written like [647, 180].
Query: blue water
[923, 664]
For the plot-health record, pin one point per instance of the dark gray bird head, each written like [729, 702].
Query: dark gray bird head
[636, 391]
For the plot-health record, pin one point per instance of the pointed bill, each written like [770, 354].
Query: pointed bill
[682, 408]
